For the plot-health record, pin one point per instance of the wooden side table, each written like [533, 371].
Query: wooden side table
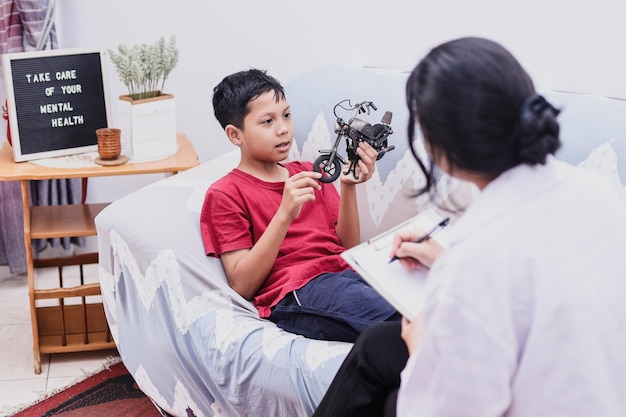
[78, 327]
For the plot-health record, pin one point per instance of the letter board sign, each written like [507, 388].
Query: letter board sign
[56, 100]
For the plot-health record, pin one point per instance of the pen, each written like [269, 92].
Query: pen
[428, 235]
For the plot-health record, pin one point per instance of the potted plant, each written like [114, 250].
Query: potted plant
[147, 115]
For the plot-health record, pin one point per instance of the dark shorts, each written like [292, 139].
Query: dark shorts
[333, 306]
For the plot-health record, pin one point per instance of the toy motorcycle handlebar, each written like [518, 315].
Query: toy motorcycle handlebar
[362, 107]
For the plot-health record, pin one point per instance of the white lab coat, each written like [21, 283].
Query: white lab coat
[527, 308]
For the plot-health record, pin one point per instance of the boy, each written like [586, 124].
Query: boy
[280, 232]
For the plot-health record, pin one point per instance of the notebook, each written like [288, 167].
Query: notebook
[403, 289]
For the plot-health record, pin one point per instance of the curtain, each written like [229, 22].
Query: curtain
[27, 25]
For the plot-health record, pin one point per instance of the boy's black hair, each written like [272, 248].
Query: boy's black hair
[233, 94]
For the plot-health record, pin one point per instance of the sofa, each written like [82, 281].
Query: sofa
[196, 347]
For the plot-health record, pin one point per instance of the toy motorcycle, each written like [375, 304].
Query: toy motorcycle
[355, 131]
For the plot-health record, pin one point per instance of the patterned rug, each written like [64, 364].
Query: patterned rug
[109, 393]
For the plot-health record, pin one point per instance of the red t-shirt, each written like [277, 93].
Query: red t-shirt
[236, 211]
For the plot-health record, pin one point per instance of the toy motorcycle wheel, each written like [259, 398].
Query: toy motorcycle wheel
[330, 170]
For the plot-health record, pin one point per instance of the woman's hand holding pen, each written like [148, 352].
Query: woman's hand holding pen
[414, 255]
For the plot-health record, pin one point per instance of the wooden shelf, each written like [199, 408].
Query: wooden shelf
[58, 323]
[63, 292]
[62, 328]
[10, 170]
[97, 341]
[64, 221]
[80, 259]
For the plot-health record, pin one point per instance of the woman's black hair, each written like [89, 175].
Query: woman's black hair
[478, 110]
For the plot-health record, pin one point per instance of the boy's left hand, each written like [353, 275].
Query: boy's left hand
[365, 166]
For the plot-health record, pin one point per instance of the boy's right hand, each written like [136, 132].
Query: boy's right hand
[299, 189]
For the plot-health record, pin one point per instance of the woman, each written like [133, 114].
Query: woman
[524, 314]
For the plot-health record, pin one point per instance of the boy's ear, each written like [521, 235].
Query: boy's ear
[234, 134]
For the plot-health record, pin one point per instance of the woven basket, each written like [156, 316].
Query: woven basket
[109, 143]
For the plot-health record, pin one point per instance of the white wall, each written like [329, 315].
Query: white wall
[567, 45]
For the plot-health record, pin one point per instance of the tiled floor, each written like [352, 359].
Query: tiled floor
[19, 385]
